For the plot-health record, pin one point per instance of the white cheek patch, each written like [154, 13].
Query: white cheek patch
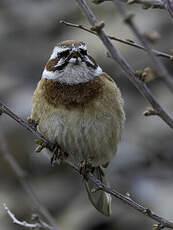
[49, 75]
[73, 74]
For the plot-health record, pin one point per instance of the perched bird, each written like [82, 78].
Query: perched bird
[80, 108]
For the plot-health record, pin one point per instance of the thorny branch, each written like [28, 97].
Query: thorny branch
[124, 41]
[130, 73]
[98, 184]
[39, 225]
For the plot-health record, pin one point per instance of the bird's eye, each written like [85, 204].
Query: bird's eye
[64, 53]
[83, 52]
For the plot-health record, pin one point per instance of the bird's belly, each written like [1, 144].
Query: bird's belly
[82, 134]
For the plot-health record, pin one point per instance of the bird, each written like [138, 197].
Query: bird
[79, 107]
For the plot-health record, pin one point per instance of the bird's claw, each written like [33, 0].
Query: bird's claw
[58, 156]
[41, 145]
[32, 122]
[85, 168]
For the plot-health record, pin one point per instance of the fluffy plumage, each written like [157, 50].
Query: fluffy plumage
[85, 119]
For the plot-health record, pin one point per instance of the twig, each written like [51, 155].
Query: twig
[125, 198]
[25, 224]
[126, 42]
[22, 177]
[159, 67]
[169, 6]
[6, 110]
[130, 73]
[146, 3]
[99, 185]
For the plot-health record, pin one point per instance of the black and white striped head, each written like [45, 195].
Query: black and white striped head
[70, 63]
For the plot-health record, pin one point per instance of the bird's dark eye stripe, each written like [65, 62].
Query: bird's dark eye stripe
[64, 53]
[83, 52]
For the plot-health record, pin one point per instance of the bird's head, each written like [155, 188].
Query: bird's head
[70, 64]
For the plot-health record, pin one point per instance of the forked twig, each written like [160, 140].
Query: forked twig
[157, 63]
[23, 179]
[130, 73]
[40, 225]
[126, 42]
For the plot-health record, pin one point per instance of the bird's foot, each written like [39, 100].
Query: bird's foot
[85, 168]
[41, 145]
[32, 122]
[58, 156]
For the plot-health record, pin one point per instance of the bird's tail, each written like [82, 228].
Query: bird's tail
[100, 199]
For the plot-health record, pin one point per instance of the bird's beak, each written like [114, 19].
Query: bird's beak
[75, 57]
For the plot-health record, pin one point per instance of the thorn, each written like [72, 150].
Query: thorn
[150, 112]
[98, 26]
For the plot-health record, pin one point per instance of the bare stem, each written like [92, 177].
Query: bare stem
[159, 67]
[126, 42]
[146, 3]
[40, 225]
[23, 179]
[130, 73]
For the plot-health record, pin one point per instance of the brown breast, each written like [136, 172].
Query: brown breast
[71, 95]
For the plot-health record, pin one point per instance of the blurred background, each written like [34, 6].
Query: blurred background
[143, 164]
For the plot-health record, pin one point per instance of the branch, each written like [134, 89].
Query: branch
[126, 42]
[39, 225]
[130, 73]
[159, 66]
[22, 177]
[146, 3]
[98, 184]
[32, 129]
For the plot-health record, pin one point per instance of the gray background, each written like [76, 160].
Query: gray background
[143, 165]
